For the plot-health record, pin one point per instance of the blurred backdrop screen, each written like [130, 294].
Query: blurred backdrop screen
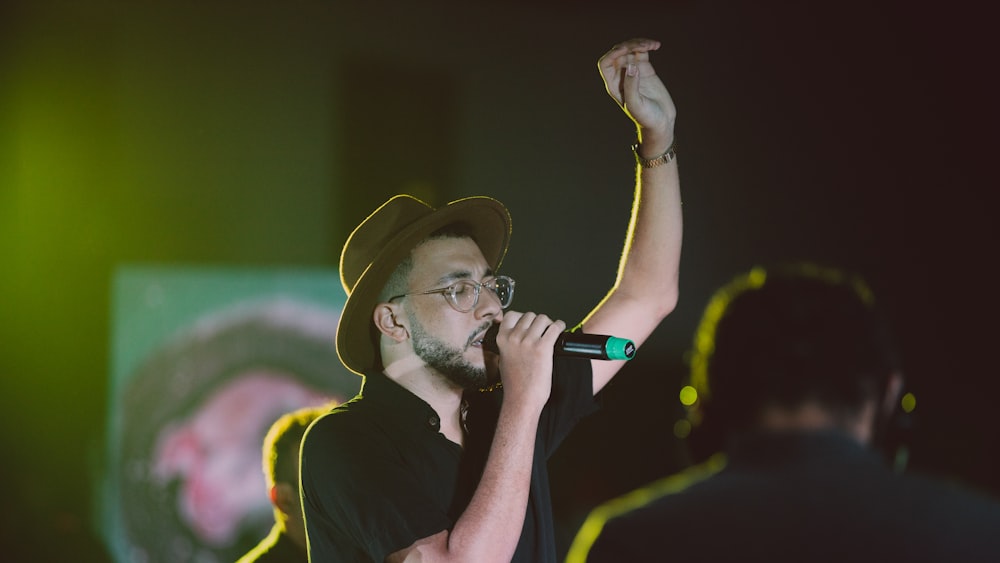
[203, 362]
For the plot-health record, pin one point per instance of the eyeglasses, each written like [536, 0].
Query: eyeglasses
[463, 295]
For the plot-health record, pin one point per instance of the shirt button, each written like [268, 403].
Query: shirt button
[433, 421]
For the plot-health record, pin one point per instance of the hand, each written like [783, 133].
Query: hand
[526, 342]
[632, 82]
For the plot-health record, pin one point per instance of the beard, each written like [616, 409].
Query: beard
[449, 362]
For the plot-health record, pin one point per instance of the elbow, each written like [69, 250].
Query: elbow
[666, 302]
[654, 301]
[662, 300]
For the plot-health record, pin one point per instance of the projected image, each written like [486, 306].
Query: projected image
[193, 412]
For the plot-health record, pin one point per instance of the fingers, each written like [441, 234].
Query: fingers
[622, 63]
[638, 45]
[634, 46]
[526, 328]
[526, 342]
[630, 82]
[541, 328]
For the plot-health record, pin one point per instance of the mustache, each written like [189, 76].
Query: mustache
[478, 333]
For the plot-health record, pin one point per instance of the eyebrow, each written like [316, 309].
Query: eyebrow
[461, 275]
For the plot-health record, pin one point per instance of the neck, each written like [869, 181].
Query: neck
[811, 416]
[298, 537]
[435, 389]
[294, 531]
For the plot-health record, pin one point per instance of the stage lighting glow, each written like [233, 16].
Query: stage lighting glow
[688, 395]
[908, 402]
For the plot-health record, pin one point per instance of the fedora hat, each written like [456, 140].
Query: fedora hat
[384, 239]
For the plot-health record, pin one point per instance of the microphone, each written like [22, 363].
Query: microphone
[577, 345]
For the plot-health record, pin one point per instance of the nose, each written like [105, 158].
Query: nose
[489, 304]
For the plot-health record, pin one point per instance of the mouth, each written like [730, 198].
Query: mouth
[476, 340]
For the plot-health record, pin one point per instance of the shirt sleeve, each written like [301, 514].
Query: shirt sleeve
[571, 399]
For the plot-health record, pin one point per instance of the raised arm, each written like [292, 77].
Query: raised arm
[645, 290]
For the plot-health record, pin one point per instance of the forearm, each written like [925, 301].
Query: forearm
[646, 287]
[490, 527]
[649, 268]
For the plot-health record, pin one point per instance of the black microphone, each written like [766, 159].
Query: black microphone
[577, 344]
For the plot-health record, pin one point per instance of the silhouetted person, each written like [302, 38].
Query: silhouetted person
[796, 377]
[286, 543]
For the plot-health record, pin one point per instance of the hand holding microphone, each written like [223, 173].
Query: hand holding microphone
[526, 368]
[578, 344]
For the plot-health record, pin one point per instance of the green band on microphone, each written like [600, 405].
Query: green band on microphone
[619, 348]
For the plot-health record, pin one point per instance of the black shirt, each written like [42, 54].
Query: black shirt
[809, 496]
[377, 474]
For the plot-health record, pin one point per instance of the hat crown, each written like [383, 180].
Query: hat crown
[374, 233]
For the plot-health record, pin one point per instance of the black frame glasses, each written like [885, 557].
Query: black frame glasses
[463, 295]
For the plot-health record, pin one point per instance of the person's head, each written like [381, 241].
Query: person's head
[794, 347]
[281, 467]
[422, 286]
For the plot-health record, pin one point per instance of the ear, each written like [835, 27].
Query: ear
[893, 390]
[284, 498]
[390, 321]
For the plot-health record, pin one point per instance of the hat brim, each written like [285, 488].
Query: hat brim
[489, 225]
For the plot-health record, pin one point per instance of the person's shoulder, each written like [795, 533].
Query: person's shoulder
[348, 425]
[934, 493]
[260, 552]
[342, 417]
[949, 518]
[639, 512]
[669, 492]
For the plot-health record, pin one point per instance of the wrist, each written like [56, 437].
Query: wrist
[652, 142]
[644, 161]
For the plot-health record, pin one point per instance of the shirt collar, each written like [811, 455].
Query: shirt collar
[758, 445]
[397, 402]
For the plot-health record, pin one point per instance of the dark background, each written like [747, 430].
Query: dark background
[257, 134]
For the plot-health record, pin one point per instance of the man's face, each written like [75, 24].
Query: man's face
[445, 339]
